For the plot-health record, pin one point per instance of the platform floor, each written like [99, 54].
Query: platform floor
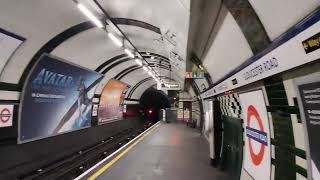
[170, 152]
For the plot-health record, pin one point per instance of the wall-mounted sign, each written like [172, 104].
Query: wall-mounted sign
[95, 109]
[284, 54]
[311, 44]
[194, 75]
[309, 101]
[8, 44]
[180, 114]
[56, 98]
[257, 158]
[234, 81]
[168, 86]
[186, 115]
[6, 113]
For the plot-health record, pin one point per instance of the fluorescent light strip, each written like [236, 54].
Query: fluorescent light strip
[115, 39]
[145, 68]
[139, 62]
[129, 53]
[90, 15]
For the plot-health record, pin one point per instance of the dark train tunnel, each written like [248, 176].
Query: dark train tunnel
[151, 101]
[160, 89]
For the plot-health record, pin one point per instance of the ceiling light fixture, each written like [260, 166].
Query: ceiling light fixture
[200, 67]
[90, 15]
[115, 39]
[130, 54]
[145, 68]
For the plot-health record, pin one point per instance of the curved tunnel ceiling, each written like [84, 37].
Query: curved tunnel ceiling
[64, 32]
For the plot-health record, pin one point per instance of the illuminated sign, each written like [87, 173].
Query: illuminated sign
[194, 75]
[311, 44]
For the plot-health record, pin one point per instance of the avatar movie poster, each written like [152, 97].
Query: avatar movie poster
[57, 98]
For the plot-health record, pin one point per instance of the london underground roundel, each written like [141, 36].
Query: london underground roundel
[5, 115]
[257, 152]
[257, 135]
[6, 112]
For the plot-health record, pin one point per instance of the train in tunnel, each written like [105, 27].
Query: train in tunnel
[160, 89]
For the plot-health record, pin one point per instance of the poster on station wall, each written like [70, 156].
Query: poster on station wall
[257, 156]
[309, 90]
[186, 115]
[9, 42]
[111, 101]
[6, 113]
[180, 114]
[56, 98]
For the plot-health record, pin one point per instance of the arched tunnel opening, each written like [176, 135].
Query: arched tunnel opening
[151, 101]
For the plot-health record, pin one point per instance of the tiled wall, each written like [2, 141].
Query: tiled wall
[287, 133]
[283, 148]
[230, 105]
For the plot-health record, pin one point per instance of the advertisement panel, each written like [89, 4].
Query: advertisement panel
[6, 113]
[110, 106]
[57, 98]
[180, 114]
[309, 101]
[186, 115]
[257, 156]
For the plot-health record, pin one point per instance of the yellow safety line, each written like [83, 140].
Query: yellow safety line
[109, 164]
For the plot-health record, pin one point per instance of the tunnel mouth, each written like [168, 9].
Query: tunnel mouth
[151, 101]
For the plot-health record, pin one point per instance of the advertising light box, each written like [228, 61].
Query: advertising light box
[110, 106]
[309, 105]
[57, 98]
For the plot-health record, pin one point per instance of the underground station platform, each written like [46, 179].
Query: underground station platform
[160, 90]
[164, 151]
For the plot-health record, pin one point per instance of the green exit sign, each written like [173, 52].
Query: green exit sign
[195, 75]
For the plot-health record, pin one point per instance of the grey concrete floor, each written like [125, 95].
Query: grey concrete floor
[170, 152]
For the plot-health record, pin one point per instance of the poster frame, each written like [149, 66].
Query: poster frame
[124, 92]
[306, 79]
[19, 141]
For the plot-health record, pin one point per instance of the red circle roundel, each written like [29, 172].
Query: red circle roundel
[5, 115]
[257, 135]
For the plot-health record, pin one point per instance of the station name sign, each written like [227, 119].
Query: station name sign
[299, 46]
